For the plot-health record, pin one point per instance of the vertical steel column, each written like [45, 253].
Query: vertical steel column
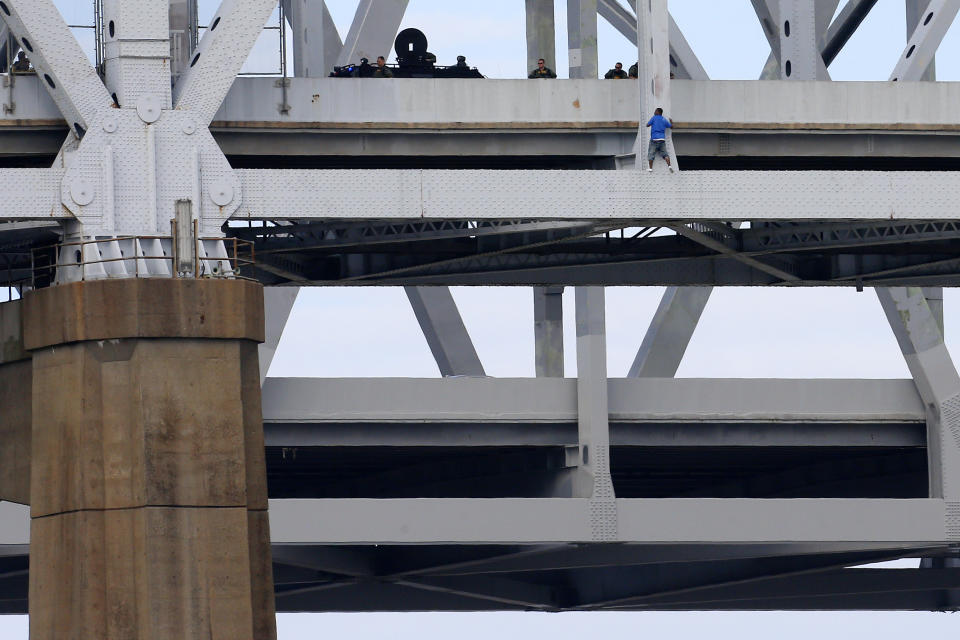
[914, 324]
[548, 331]
[915, 12]
[582, 38]
[653, 65]
[316, 41]
[541, 33]
[799, 55]
[136, 48]
[594, 480]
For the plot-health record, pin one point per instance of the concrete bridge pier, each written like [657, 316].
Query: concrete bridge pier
[148, 483]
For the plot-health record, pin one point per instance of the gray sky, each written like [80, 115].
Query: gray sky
[744, 333]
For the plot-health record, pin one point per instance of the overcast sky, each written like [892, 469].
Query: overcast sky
[744, 333]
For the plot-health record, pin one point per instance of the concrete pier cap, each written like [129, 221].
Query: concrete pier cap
[147, 484]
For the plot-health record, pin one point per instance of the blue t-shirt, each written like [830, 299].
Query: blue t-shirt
[658, 127]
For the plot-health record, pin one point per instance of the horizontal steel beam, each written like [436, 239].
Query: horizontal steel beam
[705, 434]
[547, 521]
[598, 195]
[539, 400]
[421, 105]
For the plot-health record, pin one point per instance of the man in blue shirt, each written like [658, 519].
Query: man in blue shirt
[658, 139]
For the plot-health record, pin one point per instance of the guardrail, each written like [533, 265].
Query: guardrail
[140, 257]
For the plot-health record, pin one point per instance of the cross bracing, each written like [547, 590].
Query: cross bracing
[547, 494]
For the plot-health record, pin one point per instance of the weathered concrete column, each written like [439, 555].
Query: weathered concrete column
[148, 485]
[15, 407]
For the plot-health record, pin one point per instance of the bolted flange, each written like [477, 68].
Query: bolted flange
[149, 108]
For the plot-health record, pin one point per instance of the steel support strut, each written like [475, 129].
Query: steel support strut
[593, 479]
[443, 328]
[61, 64]
[653, 69]
[548, 331]
[316, 41]
[915, 326]
[277, 305]
[582, 38]
[373, 30]
[224, 48]
[916, 62]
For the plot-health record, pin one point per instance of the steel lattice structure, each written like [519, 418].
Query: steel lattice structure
[473, 493]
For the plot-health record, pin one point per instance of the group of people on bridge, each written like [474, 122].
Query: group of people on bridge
[543, 72]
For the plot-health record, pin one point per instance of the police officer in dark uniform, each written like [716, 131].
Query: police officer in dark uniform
[382, 70]
[542, 71]
[617, 73]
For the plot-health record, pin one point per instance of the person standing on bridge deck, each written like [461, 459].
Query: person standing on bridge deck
[542, 71]
[635, 71]
[658, 139]
[617, 73]
[382, 70]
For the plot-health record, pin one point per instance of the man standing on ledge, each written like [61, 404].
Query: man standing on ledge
[542, 71]
[658, 139]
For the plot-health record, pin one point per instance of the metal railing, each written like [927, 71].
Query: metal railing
[97, 259]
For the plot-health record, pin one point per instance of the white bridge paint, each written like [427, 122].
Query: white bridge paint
[466, 399]
[718, 104]
[917, 522]
[598, 195]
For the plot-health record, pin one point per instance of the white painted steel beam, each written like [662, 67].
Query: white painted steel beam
[542, 400]
[923, 44]
[61, 64]
[768, 13]
[541, 33]
[548, 331]
[560, 520]
[890, 523]
[278, 303]
[916, 11]
[670, 332]
[35, 196]
[824, 10]
[593, 479]
[799, 51]
[653, 69]
[599, 195]
[443, 328]
[136, 46]
[582, 38]
[316, 41]
[220, 55]
[915, 326]
[373, 31]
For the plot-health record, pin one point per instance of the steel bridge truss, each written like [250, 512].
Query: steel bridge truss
[471, 493]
